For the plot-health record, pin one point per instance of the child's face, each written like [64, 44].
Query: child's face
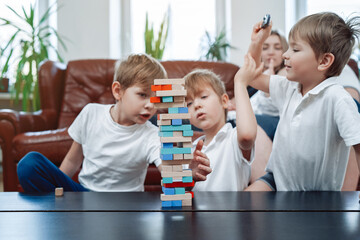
[134, 105]
[300, 61]
[272, 49]
[207, 110]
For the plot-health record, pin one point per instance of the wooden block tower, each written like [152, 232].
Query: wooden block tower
[175, 140]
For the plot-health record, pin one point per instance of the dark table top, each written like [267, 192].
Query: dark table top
[203, 202]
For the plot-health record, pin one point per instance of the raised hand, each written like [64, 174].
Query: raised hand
[248, 72]
[200, 164]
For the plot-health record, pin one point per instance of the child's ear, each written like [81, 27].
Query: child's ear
[117, 90]
[326, 61]
[225, 100]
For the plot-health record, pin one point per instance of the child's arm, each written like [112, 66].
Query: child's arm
[357, 154]
[245, 119]
[72, 160]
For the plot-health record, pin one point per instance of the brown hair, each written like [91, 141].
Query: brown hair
[139, 69]
[328, 33]
[198, 78]
[284, 46]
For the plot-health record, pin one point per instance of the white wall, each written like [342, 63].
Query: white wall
[86, 23]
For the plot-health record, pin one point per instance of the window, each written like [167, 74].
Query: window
[189, 20]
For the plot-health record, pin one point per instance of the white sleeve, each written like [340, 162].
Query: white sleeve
[153, 148]
[76, 129]
[278, 89]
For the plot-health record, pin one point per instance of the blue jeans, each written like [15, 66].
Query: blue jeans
[268, 123]
[37, 174]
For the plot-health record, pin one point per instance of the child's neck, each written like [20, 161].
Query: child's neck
[307, 86]
[211, 133]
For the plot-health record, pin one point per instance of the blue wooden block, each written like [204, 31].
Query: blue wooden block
[167, 145]
[189, 133]
[168, 128]
[167, 99]
[180, 190]
[168, 191]
[175, 150]
[176, 203]
[166, 203]
[166, 157]
[187, 179]
[176, 122]
[183, 110]
[168, 180]
[173, 110]
[165, 134]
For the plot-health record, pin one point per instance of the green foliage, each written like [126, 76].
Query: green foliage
[155, 47]
[32, 40]
[216, 49]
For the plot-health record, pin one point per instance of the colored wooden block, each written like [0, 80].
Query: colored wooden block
[167, 99]
[175, 150]
[155, 88]
[167, 145]
[169, 191]
[165, 134]
[187, 144]
[175, 116]
[177, 179]
[178, 184]
[173, 110]
[176, 122]
[171, 93]
[177, 168]
[175, 197]
[188, 133]
[178, 133]
[166, 157]
[187, 173]
[174, 139]
[167, 105]
[175, 128]
[187, 179]
[188, 156]
[176, 162]
[167, 180]
[168, 168]
[59, 192]
[167, 203]
[180, 99]
[166, 87]
[176, 203]
[169, 81]
[178, 157]
[183, 110]
[179, 190]
[186, 202]
[155, 99]
[164, 122]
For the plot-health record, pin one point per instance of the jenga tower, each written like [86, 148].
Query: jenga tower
[175, 140]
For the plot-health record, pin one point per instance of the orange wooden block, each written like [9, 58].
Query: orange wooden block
[155, 88]
[155, 99]
[166, 87]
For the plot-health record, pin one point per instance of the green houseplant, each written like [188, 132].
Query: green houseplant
[5, 57]
[216, 48]
[155, 46]
[32, 41]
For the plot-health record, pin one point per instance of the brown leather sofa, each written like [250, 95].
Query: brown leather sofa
[64, 91]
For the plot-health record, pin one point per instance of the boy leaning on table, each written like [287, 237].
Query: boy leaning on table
[113, 143]
[319, 120]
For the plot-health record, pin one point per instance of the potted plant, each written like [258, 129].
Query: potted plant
[216, 48]
[32, 42]
[155, 47]
[5, 57]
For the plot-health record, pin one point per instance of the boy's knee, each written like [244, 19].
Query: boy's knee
[28, 164]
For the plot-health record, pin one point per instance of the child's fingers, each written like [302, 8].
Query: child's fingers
[205, 169]
[199, 177]
[199, 145]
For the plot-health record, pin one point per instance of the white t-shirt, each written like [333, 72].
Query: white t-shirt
[263, 105]
[312, 142]
[116, 157]
[230, 170]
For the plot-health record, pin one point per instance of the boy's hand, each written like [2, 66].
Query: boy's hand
[248, 72]
[260, 34]
[200, 165]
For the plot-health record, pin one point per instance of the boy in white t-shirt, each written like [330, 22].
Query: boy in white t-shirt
[113, 143]
[229, 149]
[319, 121]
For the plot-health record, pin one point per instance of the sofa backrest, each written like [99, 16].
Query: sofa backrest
[89, 81]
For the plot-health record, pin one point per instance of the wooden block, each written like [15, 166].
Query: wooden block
[171, 93]
[178, 190]
[183, 110]
[169, 81]
[164, 122]
[178, 184]
[155, 88]
[184, 127]
[176, 197]
[180, 99]
[177, 168]
[187, 144]
[184, 173]
[178, 133]
[188, 133]
[167, 99]
[176, 162]
[189, 156]
[155, 99]
[175, 116]
[177, 87]
[169, 104]
[59, 192]
[166, 87]
[178, 157]
[167, 168]
[165, 134]
[175, 151]
[176, 122]
[177, 179]
[186, 202]
[174, 139]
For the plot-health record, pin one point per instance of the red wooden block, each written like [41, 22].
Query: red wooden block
[155, 88]
[166, 87]
[178, 184]
[155, 99]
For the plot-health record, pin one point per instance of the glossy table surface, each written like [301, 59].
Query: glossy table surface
[214, 215]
